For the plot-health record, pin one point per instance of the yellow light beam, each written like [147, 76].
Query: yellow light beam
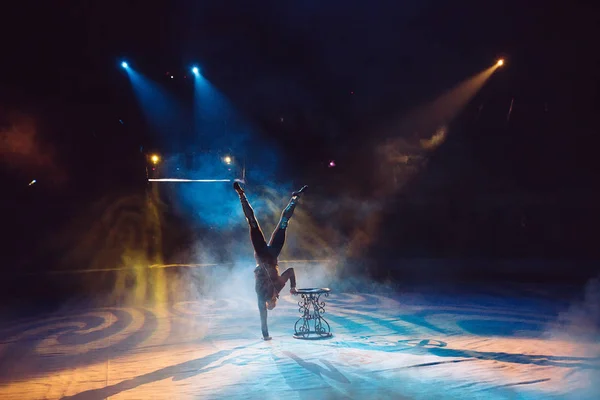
[427, 118]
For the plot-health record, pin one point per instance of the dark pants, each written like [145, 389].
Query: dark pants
[268, 282]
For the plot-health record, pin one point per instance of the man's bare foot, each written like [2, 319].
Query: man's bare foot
[238, 188]
[299, 192]
[293, 291]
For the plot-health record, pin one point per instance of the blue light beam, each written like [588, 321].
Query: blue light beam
[164, 112]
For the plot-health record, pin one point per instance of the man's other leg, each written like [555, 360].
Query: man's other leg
[256, 235]
[278, 237]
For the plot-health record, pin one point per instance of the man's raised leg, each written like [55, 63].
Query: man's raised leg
[256, 234]
[278, 237]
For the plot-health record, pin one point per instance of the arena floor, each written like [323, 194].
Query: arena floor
[508, 343]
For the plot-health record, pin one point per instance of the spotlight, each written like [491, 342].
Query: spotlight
[500, 62]
[124, 65]
[196, 71]
[227, 159]
[154, 158]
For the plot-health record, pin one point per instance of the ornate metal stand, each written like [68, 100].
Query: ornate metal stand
[311, 325]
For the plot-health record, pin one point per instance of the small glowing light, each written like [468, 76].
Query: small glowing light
[171, 76]
[500, 62]
[331, 164]
[227, 160]
[32, 182]
[155, 159]
[124, 65]
[196, 71]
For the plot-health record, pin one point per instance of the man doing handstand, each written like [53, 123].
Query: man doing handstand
[268, 282]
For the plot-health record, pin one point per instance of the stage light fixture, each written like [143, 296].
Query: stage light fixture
[500, 62]
[124, 65]
[196, 71]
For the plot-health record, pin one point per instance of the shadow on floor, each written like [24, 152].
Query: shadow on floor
[178, 372]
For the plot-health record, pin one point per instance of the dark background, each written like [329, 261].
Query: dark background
[337, 72]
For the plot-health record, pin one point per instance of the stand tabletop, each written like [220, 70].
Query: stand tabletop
[313, 290]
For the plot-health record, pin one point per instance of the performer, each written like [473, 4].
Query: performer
[268, 282]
